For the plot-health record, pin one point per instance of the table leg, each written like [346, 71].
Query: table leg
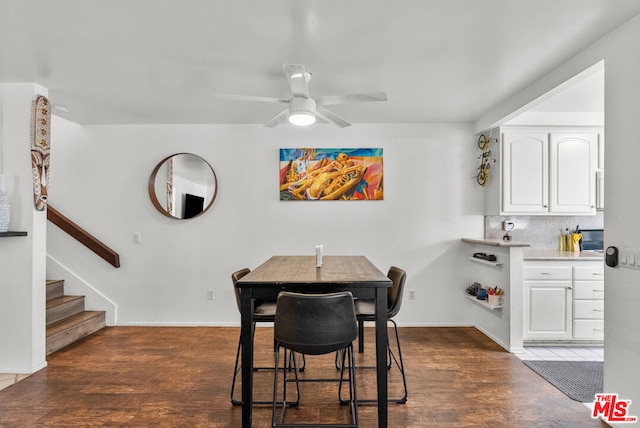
[246, 339]
[381, 354]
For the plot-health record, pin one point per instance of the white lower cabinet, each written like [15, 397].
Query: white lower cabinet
[563, 301]
[547, 305]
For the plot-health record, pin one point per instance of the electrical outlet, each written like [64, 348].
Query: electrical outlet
[412, 294]
[137, 237]
[211, 294]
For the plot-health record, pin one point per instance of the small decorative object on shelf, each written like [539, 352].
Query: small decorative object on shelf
[490, 297]
[472, 290]
[494, 296]
[484, 256]
[5, 206]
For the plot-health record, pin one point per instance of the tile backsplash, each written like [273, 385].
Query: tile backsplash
[540, 231]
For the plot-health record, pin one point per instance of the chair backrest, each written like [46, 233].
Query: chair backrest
[234, 278]
[315, 324]
[394, 295]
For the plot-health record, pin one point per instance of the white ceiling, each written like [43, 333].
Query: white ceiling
[161, 61]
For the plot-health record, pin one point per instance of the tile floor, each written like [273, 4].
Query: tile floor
[562, 353]
[8, 379]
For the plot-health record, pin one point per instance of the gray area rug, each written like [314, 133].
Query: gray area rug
[578, 380]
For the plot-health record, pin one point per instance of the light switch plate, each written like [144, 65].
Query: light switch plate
[623, 258]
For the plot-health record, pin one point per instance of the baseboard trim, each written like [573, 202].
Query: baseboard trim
[22, 370]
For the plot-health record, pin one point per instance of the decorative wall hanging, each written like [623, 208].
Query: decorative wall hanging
[40, 148]
[331, 174]
[485, 160]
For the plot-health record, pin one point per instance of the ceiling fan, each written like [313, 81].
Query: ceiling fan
[303, 110]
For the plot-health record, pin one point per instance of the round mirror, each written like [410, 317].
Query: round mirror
[183, 186]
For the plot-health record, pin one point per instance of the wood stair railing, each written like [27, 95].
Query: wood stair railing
[82, 236]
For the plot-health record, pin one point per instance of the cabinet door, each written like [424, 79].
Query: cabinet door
[573, 160]
[547, 310]
[525, 172]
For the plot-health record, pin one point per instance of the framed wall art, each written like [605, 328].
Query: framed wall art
[331, 174]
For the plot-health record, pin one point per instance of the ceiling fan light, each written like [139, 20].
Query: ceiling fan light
[302, 111]
[302, 118]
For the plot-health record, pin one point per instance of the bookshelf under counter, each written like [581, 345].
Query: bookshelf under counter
[502, 323]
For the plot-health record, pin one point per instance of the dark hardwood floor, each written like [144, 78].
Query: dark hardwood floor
[180, 377]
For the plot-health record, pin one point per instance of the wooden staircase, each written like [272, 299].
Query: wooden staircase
[67, 321]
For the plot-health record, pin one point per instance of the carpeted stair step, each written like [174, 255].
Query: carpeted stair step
[73, 328]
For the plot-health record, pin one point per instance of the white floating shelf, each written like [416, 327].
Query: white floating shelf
[482, 302]
[484, 262]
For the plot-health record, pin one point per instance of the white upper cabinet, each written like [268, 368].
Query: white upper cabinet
[573, 160]
[525, 172]
[544, 171]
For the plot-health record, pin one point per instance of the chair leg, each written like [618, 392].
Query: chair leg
[391, 358]
[400, 363]
[236, 370]
[348, 362]
[291, 359]
[275, 387]
[360, 336]
[352, 386]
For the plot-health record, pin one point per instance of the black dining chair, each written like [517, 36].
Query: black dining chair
[366, 311]
[316, 324]
[264, 311]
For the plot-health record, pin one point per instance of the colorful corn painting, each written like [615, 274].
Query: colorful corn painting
[331, 174]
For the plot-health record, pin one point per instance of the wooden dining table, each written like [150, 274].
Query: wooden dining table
[300, 274]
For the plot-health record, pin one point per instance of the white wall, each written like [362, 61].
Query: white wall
[22, 259]
[621, 52]
[99, 178]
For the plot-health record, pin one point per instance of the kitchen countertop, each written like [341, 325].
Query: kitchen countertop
[561, 255]
[496, 242]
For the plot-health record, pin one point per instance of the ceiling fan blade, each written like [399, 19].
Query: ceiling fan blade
[351, 98]
[281, 117]
[297, 78]
[330, 116]
[250, 98]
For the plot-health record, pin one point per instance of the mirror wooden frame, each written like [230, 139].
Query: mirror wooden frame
[152, 187]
